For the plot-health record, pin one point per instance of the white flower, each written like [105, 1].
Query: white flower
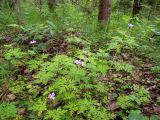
[130, 25]
[85, 52]
[82, 64]
[131, 18]
[77, 62]
[32, 42]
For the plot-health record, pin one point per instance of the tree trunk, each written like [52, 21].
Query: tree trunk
[17, 7]
[40, 5]
[51, 5]
[136, 7]
[104, 12]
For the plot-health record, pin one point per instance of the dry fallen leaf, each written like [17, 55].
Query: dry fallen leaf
[157, 109]
[112, 106]
[11, 96]
[22, 111]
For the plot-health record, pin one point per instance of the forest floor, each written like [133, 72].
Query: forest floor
[142, 75]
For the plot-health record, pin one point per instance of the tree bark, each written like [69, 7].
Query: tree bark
[137, 6]
[104, 11]
[17, 7]
[51, 5]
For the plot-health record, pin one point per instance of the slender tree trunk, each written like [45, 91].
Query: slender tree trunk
[40, 6]
[17, 7]
[51, 5]
[155, 8]
[104, 12]
[136, 7]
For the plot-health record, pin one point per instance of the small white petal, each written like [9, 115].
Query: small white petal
[82, 64]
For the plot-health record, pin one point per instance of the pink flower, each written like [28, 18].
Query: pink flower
[32, 42]
[82, 64]
[52, 96]
[79, 62]
[130, 25]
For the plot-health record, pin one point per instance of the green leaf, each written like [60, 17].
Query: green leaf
[7, 111]
[137, 115]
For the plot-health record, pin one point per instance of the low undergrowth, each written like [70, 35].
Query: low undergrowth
[47, 73]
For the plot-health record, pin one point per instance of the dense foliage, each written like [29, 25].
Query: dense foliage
[61, 65]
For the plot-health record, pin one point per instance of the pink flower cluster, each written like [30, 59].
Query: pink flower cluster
[32, 42]
[79, 62]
